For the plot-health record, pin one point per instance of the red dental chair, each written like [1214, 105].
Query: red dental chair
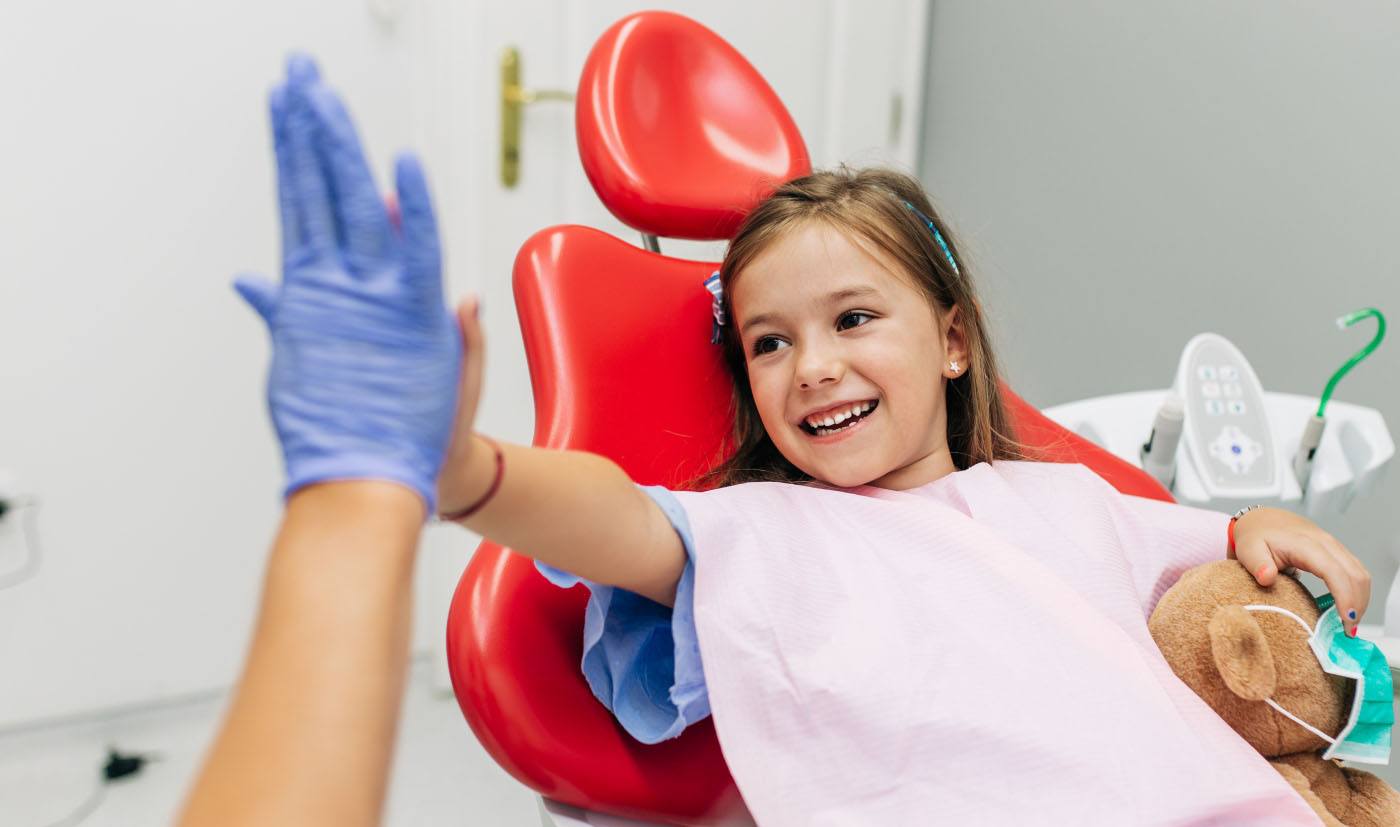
[680, 136]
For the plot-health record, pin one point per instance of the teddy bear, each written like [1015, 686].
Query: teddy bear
[1234, 659]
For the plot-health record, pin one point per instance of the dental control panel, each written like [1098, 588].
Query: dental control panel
[1227, 427]
[1216, 439]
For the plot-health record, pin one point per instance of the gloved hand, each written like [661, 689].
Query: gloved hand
[365, 356]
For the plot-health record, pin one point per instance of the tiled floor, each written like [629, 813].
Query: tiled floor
[441, 774]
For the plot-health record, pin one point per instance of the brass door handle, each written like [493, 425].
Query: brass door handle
[513, 100]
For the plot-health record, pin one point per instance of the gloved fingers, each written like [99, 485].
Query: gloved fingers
[292, 232]
[258, 292]
[361, 219]
[422, 254]
[298, 164]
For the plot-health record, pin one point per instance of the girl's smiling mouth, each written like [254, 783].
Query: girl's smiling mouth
[842, 421]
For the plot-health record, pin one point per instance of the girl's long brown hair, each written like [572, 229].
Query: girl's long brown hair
[867, 204]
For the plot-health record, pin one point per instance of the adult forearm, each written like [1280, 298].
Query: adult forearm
[310, 731]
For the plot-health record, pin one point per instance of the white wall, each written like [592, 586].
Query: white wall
[137, 179]
[1130, 174]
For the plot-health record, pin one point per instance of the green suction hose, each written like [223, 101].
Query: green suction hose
[1345, 322]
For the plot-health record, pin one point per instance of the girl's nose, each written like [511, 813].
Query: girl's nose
[819, 366]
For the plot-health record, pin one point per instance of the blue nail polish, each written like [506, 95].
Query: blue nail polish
[1351, 615]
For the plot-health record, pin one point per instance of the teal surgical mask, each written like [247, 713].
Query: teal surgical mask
[1365, 737]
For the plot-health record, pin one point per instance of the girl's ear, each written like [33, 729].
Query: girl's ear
[954, 337]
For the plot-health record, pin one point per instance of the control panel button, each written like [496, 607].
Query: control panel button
[1210, 390]
[1206, 372]
[1215, 407]
[1232, 390]
[1229, 373]
[1237, 407]
[1235, 449]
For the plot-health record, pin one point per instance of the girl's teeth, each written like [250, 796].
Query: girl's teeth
[829, 423]
[838, 418]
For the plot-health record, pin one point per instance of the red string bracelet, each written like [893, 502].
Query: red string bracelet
[463, 513]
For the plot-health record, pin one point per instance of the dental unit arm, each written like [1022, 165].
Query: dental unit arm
[1217, 440]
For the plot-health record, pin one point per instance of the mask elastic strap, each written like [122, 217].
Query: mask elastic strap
[1300, 722]
[1259, 607]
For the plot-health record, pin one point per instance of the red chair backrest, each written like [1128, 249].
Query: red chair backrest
[624, 369]
[618, 345]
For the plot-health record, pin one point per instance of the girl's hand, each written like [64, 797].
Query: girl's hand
[1270, 540]
[453, 482]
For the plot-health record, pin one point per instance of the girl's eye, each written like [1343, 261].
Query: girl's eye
[848, 320]
[767, 344]
[854, 314]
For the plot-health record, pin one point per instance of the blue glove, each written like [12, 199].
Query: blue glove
[365, 355]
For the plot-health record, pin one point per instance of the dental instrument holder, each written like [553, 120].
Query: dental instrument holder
[1307, 449]
[1351, 457]
[1158, 454]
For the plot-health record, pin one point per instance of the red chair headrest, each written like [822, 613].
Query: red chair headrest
[678, 133]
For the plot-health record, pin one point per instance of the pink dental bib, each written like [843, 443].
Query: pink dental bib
[974, 651]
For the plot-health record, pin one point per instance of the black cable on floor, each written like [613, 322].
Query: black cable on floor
[118, 766]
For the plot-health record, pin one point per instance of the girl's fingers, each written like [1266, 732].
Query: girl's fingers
[1311, 555]
[473, 359]
[450, 478]
[1360, 578]
[1257, 560]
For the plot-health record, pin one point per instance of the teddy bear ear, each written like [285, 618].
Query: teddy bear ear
[1242, 653]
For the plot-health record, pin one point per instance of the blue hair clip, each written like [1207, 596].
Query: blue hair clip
[937, 236]
[716, 305]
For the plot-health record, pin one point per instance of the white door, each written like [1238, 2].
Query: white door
[851, 74]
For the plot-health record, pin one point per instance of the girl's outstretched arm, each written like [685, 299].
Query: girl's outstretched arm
[572, 510]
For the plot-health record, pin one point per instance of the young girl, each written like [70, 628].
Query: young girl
[893, 614]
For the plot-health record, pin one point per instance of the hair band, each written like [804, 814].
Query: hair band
[937, 236]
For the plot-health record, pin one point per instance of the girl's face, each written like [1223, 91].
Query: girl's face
[833, 330]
